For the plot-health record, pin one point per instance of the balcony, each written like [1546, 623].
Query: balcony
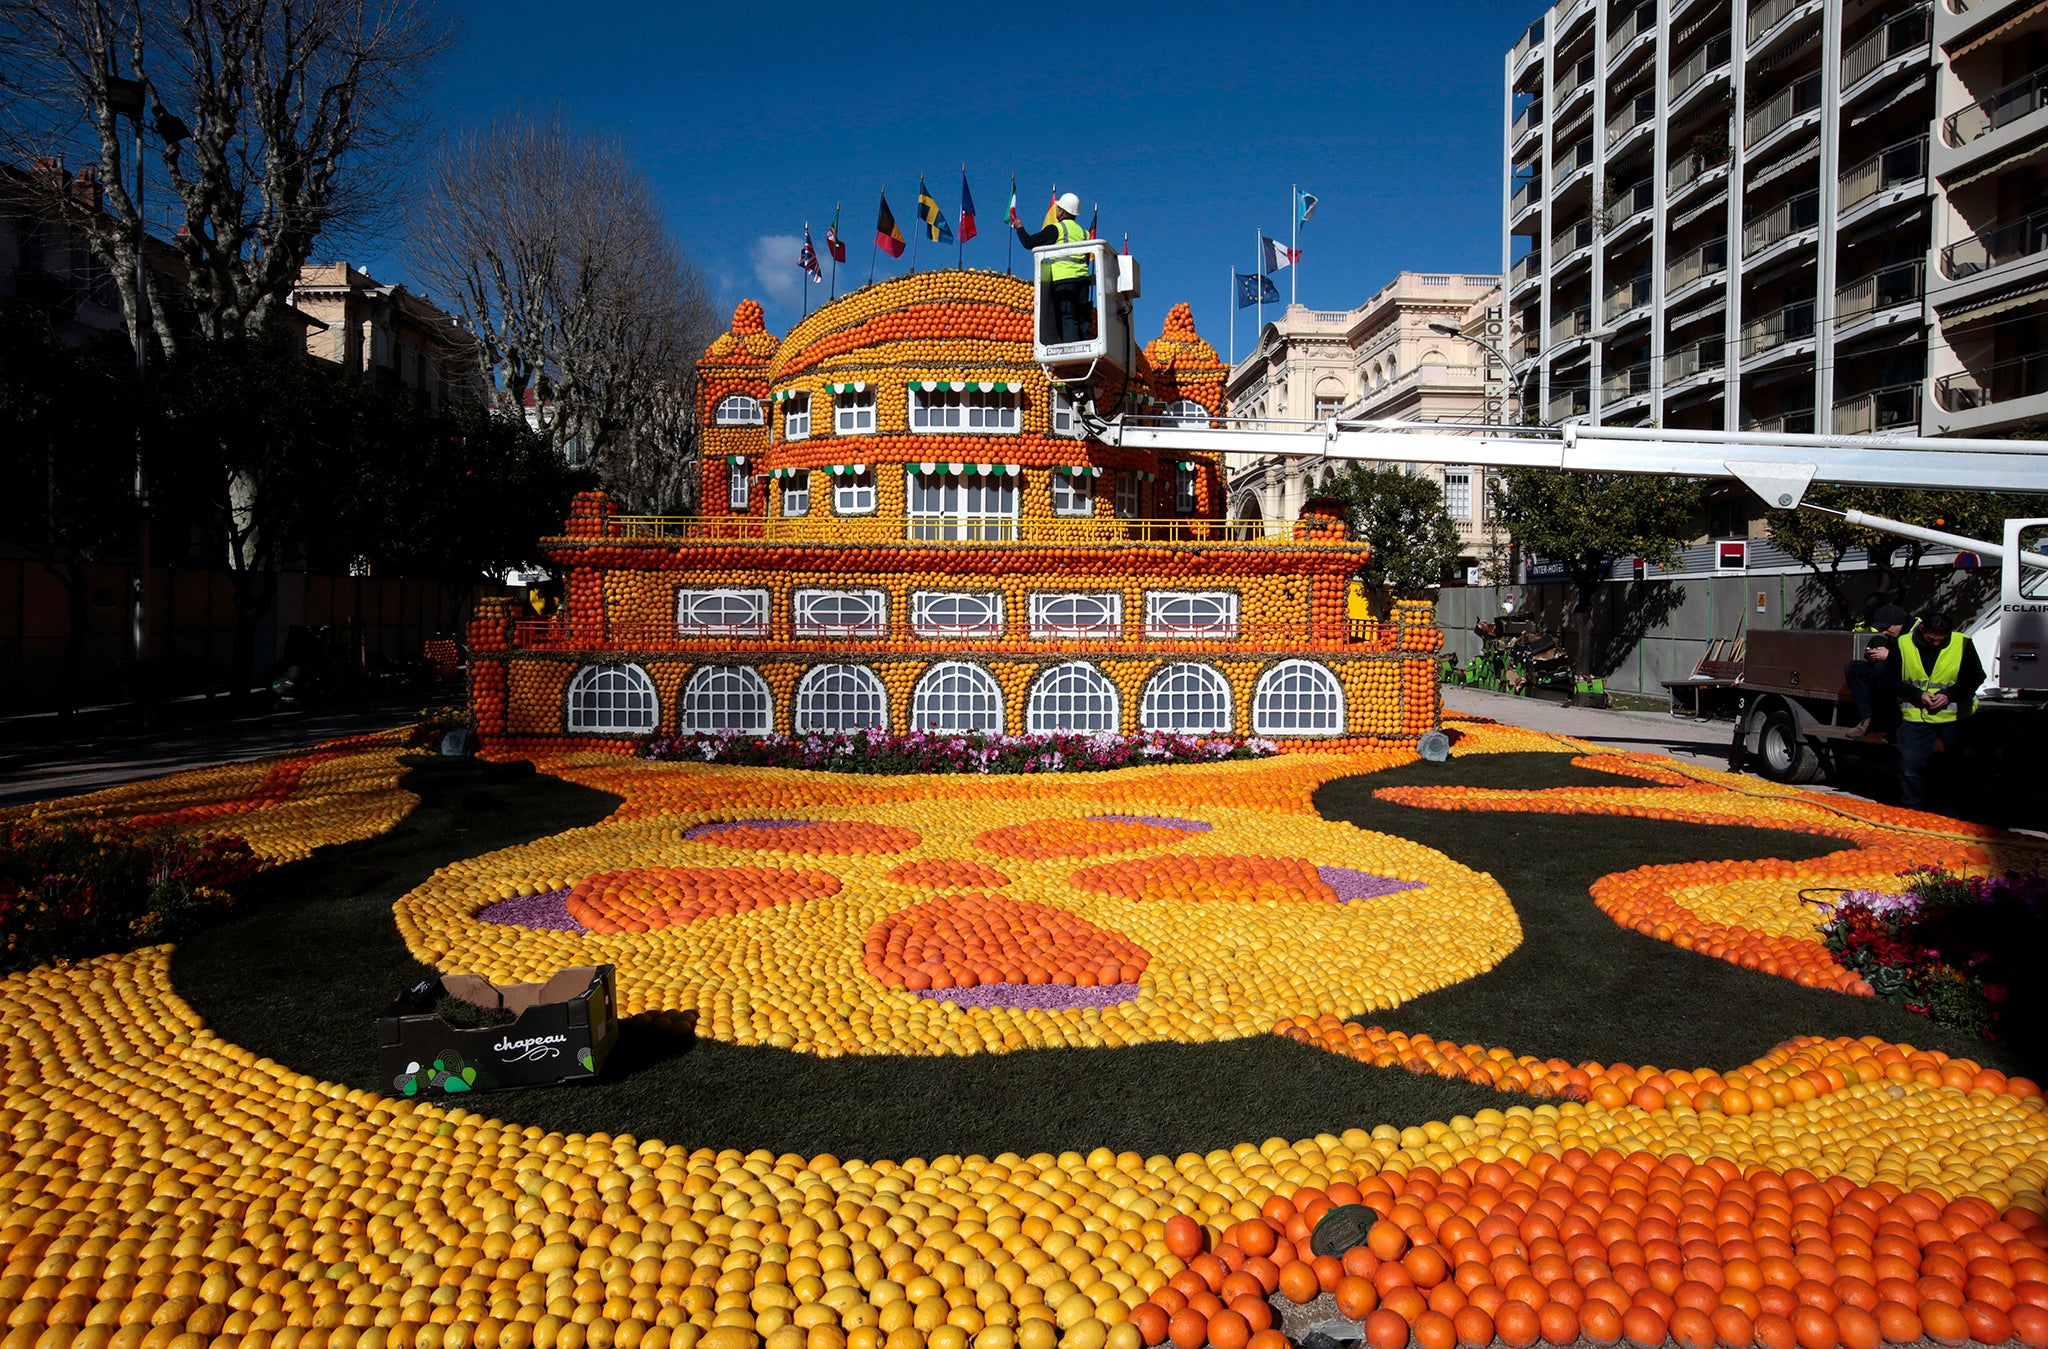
[1778, 328]
[1530, 41]
[1888, 41]
[1688, 168]
[1768, 14]
[1892, 409]
[1628, 204]
[2004, 382]
[1572, 81]
[1570, 240]
[1573, 162]
[1629, 295]
[1705, 356]
[1638, 111]
[724, 529]
[1566, 403]
[1709, 259]
[1888, 288]
[1894, 166]
[1781, 222]
[1794, 100]
[1795, 422]
[1625, 383]
[1713, 53]
[1996, 247]
[1574, 324]
[1530, 267]
[1528, 347]
[1528, 195]
[2002, 109]
[1642, 21]
[1530, 120]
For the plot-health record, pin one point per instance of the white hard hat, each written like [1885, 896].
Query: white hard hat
[1070, 203]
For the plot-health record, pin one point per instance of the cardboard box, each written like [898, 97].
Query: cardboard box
[562, 1032]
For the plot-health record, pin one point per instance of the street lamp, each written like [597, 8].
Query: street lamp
[1507, 368]
[126, 98]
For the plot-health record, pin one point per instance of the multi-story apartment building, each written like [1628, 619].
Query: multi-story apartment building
[387, 333]
[1800, 215]
[1386, 359]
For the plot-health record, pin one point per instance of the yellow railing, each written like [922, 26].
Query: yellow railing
[875, 529]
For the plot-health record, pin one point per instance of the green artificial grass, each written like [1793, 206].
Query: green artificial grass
[313, 957]
[1582, 987]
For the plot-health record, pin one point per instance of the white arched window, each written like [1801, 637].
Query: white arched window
[737, 409]
[1097, 614]
[841, 613]
[722, 612]
[956, 613]
[841, 698]
[1073, 697]
[1187, 614]
[956, 696]
[1186, 697]
[1298, 697]
[727, 698]
[1186, 412]
[612, 698]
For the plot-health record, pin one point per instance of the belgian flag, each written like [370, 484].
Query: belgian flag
[888, 237]
[935, 227]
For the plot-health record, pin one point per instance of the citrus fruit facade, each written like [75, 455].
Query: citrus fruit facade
[904, 525]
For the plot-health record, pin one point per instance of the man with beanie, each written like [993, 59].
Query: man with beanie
[1067, 272]
[1866, 677]
[1934, 675]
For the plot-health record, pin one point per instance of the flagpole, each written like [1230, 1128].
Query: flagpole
[960, 243]
[806, 281]
[875, 248]
[1230, 308]
[835, 256]
[1293, 239]
[1259, 270]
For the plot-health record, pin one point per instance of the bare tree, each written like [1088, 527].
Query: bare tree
[584, 309]
[276, 122]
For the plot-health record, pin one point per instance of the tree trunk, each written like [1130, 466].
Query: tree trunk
[77, 627]
[1585, 588]
[255, 593]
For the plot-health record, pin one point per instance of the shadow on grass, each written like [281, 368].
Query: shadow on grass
[1582, 987]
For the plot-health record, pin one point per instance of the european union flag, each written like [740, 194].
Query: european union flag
[1255, 289]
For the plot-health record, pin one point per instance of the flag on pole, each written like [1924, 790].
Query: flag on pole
[1094, 216]
[935, 227]
[888, 237]
[1306, 207]
[1273, 255]
[1052, 207]
[1253, 288]
[835, 245]
[1016, 221]
[808, 258]
[967, 226]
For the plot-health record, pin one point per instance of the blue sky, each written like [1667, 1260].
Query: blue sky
[1186, 123]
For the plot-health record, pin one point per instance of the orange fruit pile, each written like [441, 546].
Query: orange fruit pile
[968, 940]
[645, 899]
[1042, 840]
[1192, 878]
[820, 836]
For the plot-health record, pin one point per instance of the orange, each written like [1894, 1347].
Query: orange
[1189, 1329]
[1474, 1326]
[1229, 1330]
[1517, 1324]
[1944, 1323]
[1151, 1320]
[1355, 1296]
[1433, 1330]
[1387, 1241]
[1385, 1330]
[1184, 1236]
[1298, 1282]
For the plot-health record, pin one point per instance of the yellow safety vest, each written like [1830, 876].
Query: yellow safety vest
[1948, 668]
[1068, 266]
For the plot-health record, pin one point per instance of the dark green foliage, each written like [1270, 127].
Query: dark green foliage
[1401, 516]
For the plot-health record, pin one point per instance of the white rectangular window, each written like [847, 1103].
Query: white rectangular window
[739, 485]
[841, 613]
[975, 410]
[1085, 615]
[853, 412]
[956, 613]
[854, 493]
[1072, 495]
[722, 613]
[1458, 494]
[1128, 499]
[1064, 422]
[796, 417]
[1189, 614]
[1183, 489]
[963, 507]
[796, 494]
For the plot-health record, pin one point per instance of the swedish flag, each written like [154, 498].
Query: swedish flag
[935, 227]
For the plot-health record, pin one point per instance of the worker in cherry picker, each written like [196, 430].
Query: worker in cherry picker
[1065, 274]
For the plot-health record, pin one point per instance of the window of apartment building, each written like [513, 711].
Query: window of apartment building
[956, 613]
[737, 409]
[963, 507]
[796, 494]
[796, 417]
[1072, 494]
[1095, 615]
[1128, 497]
[994, 411]
[841, 613]
[854, 493]
[739, 485]
[722, 612]
[1458, 493]
[853, 412]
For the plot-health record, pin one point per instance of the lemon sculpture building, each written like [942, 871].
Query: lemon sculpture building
[904, 526]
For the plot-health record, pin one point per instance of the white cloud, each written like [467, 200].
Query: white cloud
[774, 258]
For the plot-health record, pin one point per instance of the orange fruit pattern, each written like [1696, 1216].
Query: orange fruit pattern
[970, 940]
[1196, 878]
[647, 898]
[946, 873]
[800, 836]
[1042, 840]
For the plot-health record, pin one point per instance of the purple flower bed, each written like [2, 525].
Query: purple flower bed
[548, 912]
[945, 752]
[1162, 821]
[1350, 884]
[1048, 997]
